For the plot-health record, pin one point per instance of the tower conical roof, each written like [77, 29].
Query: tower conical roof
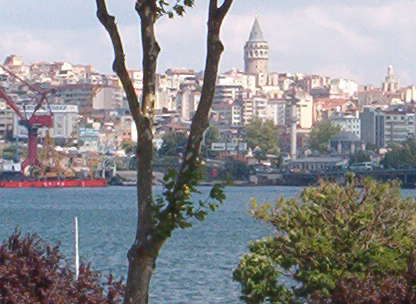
[256, 33]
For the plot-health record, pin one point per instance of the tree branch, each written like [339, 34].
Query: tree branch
[200, 121]
[148, 12]
[224, 8]
[119, 65]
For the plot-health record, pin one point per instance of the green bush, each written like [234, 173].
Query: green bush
[328, 237]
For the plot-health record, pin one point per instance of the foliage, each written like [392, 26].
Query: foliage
[173, 143]
[321, 134]
[235, 169]
[33, 272]
[129, 147]
[11, 152]
[360, 157]
[212, 135]
[170, 8]
[331, 235]
[264, 135]
[391, 290]
[176, 208]
[401, 155]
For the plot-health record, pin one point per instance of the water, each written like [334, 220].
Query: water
[195, 265]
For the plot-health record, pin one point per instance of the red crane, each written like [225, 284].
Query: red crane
[32, 123]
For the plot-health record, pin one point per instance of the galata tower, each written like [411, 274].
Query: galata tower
[256, 52]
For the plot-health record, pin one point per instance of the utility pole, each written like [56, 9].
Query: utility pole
[293, 119]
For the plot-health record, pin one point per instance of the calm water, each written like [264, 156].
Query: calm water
[195, 265]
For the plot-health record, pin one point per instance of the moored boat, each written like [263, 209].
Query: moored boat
[60, 183]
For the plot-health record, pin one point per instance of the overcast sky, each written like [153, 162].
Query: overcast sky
[356, 39]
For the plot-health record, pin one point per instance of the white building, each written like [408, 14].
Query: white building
[398, 126]
[341, 87]
[65, 121]
[276, 111]
[348, 122]
[187, 102]
[107, 98]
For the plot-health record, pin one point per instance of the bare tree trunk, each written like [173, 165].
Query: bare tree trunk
[200, 121]
[145, 250]
[149, 236]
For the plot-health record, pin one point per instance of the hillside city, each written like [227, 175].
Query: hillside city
[311, 122]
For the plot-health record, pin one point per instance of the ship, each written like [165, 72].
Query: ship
[48, 169]
[16, 179]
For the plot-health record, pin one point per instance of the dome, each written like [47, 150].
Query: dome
[346, 136]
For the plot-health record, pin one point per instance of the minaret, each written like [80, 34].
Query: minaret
[256, 52]
[391, 83]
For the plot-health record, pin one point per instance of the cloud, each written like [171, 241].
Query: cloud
[354, 39]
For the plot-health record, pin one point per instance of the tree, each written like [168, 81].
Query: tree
[32, 272]
[401, 155]
[360, 157]
[333, 234]
[321, 134]
[128, 146]
[264, 136]
[212, 135]
[391, 290]
[158, 218]
[173, 143]
[235, 169]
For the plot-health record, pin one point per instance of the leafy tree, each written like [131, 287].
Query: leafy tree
[235, 169]
[128, 146]
[33, 272]
[331, 235]
[264, 136]
[13, 152]
[401, 155]
[390, 290]
[321, 134]
[212, 135]
[157, 218]
[173, 143]
[360, 157]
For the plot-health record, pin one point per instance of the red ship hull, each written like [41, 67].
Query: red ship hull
[64, 183]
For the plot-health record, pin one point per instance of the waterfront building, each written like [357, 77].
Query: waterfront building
[372, 127]
[276, 111]
[187, 101]
[346, 143]
[317, 164]
[348, 122]
[399, 125]
[6, 123]
[65, 122]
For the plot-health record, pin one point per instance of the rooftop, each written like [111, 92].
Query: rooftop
[256, 33]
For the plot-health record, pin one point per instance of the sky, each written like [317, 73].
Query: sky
[354, 39]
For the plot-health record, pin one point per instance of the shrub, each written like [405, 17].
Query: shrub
[333, 243]
[33, 272]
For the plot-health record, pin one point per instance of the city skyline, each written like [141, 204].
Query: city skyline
[357, 40]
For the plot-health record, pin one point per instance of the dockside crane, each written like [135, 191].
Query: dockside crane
[32, 123]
